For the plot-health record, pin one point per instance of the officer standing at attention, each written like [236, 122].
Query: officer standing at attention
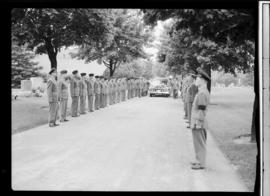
[52, 92]
[191, 92]
[122, 89]
[110, 90]
[118, 90]
[128, 88]
[63, 95]
[97, 92]
[198, 119]
[186, 85]
[83, 93]
[125, 89]
[90, 92]
[113, 90]
[74, 93]
[106, 92]
[101, 103]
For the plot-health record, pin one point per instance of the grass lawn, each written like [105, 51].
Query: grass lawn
[30, 112]
[229, 116]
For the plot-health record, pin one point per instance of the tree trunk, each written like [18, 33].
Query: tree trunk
[111, 72]
[53, 60]
[52, 53]
[207, 68]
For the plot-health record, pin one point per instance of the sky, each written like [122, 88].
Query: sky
[64, 61]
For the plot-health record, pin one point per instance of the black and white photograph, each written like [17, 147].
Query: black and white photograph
[140, 99]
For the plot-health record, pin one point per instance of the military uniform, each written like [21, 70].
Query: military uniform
[102, 88]
[118, 94]
[90, 94]
[186, 85]
[83, 94]
[129, 89]
[97, 94]
[110, 91]
[106, 93]
[199, 122]
[74, 93]
[113, 92]
[52, 92]
[191, 92]
[63, 95]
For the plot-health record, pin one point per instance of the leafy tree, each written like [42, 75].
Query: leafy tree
[221, 39]
[48, 30]
[22, 65]
[125, 41]
[208, 38]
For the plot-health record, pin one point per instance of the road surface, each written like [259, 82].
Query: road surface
[138, 145]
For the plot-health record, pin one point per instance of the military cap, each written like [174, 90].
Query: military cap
[63, 71]
[91, 74]
[203, 74]
[96, 76]
[75, 72]
[83, 74]
[52, 70]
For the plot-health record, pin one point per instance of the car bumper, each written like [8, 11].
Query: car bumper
[160, 94]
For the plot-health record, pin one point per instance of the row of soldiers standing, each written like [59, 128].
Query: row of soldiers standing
[98, 91]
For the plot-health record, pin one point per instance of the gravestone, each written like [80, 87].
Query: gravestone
[26, 85]
[37, 82]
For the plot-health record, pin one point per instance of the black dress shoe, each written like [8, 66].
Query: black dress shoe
[65, 120]
[56, 124]
[51, 125]
[188, 127]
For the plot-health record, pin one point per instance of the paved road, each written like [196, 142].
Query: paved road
[137, 145]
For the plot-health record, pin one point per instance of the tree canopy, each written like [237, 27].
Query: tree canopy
[215, 39]
[48, 30]
[22, 64]
[127, 36]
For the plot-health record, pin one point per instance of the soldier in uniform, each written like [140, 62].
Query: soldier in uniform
[110, 91]
[113, 90]
[186, 85]
[83, 93]
[63, 95]
[128, 88]
[140, 87]
[191, 92]
[118, 90]
[198, 119]
[125, 89]
[106, 92]
[97, 92]
[174, 88]
[90, 92]
[74, 92]
[53, 98]
[101, 82]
